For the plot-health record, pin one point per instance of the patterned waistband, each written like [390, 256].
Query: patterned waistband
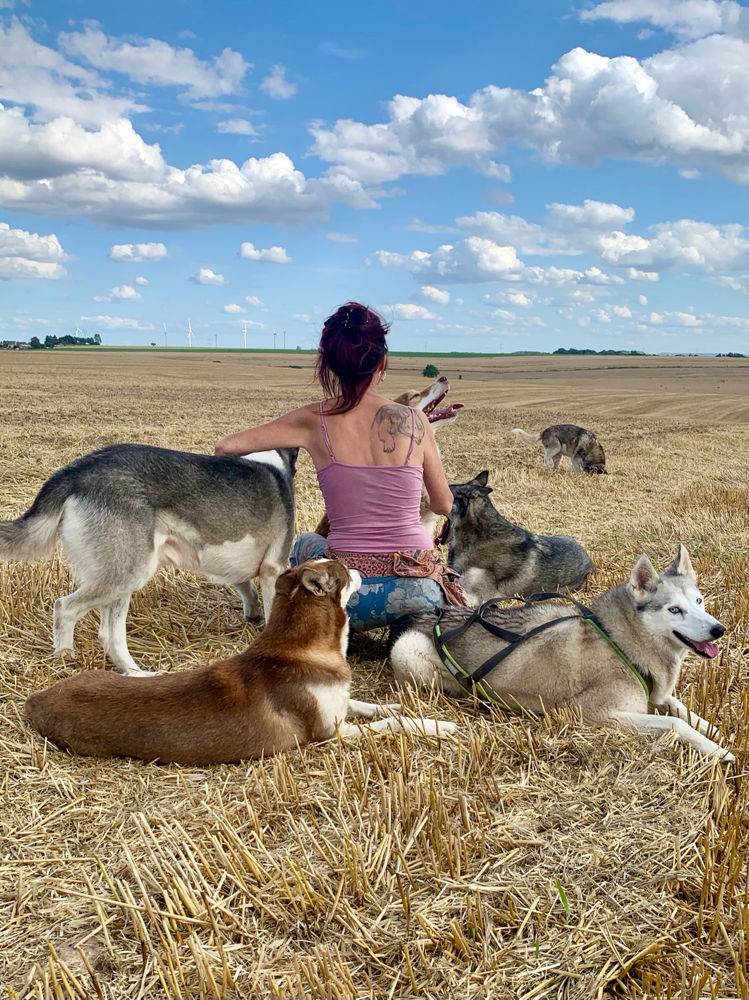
[421, 563]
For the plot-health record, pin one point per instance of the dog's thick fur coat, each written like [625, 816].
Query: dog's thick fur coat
[582, 447]
[291, 686]
[125, 510]
[655, 620]
[498, 558]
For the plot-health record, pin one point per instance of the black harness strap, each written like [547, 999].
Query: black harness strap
[514, 639]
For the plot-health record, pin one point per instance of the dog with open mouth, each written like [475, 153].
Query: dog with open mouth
[621, 665]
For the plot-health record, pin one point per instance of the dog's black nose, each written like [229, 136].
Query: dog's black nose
[717, 631]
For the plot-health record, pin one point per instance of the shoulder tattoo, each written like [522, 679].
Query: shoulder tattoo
[394, 420]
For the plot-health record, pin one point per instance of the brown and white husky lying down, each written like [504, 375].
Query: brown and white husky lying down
[291, 686]
[654, 620]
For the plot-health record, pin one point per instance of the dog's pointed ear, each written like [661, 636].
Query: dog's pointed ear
[643, 580]
[318, 580]
[286, 582]
[477, 486]
[682, 565]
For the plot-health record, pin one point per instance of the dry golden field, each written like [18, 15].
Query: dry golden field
[527, 858]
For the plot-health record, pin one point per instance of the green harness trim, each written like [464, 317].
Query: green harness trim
[473, 681]
[646, 684]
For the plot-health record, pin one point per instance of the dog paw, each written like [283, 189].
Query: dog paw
[137, 672]
[724, 756]
[63, 653]
[430, 727]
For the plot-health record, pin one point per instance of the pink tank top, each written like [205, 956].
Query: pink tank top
[373, 508]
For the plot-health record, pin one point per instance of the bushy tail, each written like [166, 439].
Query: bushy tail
[33, 534]
[526, 438]
[29, 538]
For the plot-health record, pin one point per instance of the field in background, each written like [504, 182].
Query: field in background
[529, 858]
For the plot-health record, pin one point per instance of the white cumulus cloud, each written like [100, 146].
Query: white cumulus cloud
[237, 126]
[687, 19]
[140, 280]
[123, 293]
[75, 152]
[116, 323]
[29, 255]
[634, 275]
[433, 294]
[473, 259]
[407, 310]
[233, 307]
[137, 253]
[149, 60]
[272, 255]
[206, 276]
[253, 300]
[276, 85]
[685, 106]
[343, 237]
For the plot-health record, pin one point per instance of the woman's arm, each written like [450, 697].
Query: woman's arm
[288, 431]
[440, 496]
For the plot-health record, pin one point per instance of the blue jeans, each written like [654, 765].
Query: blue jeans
[381, 599]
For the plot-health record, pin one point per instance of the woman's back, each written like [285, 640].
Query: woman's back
[376, 432]
[373, 506]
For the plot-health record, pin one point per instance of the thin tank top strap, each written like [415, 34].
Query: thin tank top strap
[413, 436]
[325, 434]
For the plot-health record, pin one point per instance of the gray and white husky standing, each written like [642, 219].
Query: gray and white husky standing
[580, 446]
[496, 557]
[653, 620]
[125, 510]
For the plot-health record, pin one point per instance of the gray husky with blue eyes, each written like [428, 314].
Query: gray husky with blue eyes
[654, 619]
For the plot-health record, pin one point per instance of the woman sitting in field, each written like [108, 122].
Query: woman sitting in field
[371, 456]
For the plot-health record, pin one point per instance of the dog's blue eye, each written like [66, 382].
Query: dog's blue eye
[699, 600]
[675, 611]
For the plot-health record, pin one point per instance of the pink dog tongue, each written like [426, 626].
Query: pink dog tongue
[710, 649]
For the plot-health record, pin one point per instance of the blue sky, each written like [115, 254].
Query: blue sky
[515, 176]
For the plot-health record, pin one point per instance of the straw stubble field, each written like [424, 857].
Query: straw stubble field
[529, 857]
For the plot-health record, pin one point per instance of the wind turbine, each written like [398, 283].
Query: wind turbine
[245, 336]
[189, 332]
[78, 330]
[165, 334]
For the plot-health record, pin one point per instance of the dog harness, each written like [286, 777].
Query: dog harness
[470, 682]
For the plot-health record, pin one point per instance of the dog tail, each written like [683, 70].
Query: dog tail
[33, 534]
[526, 438]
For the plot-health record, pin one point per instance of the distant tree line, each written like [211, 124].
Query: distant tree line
[731, 354]
[588, 350]
[67, 341]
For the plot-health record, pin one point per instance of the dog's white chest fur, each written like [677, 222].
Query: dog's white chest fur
[332, 703]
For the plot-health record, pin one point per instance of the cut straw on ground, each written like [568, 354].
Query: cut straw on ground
[528, 857]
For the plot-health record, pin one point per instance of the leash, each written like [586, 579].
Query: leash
[474, 678]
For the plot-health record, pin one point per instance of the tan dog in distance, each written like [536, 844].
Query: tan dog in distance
[290, 687]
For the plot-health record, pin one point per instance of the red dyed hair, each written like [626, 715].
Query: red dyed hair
[351, 349]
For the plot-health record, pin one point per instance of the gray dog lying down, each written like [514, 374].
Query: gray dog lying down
[655, 620]
[495, 556]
